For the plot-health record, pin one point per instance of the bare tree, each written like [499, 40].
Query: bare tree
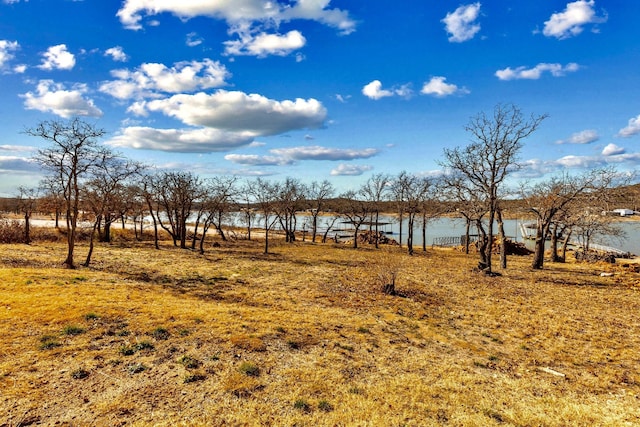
[265, 196]
[177, 192]
[104, 193]
[27, 201]
[493, 153]
[375, 191]
[291, 195]
[318, 193]
[356, 210]
[567, 202]
[71, 159]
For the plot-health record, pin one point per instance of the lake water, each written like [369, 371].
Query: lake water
[445, 227]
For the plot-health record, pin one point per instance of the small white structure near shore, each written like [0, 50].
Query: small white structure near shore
[623, 212]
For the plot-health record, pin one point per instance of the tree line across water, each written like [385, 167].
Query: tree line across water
[86, 178]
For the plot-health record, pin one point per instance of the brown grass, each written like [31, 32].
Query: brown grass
[328, 347]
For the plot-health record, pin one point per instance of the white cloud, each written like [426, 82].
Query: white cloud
[437, 87]
[570, 23]
[54, 98]
[17, 148]
[584, 137]
[556, 70]
[586, 162]
[238, 111]
[461, 23]
[193, 40]
[18, 164]
[235, 11]
[201, 140]
[350, 170]
[374, 90]
[612, 150]
[633, 128]
[20, 69]
[151, 78]
[6, 51]
[117, 54]
[263, 44]
[256, 160]
[58, 58]
[343, 98]
[315, 152]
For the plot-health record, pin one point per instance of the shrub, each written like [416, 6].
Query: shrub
[325, 406]
[191, 378]
[72, 330]
[302, 405]
[79, 374]
[249, 369]
[136, 368]
[160, 333]
[11, 231]
[189, 362]
[47, 342]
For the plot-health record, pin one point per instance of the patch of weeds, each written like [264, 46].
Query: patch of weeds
[123, 333]
[160, 334]
[281, 330]
[136, 368]
[189, 362]
[28, 282]
[494, 358]
[72, 330]
[325, 406]
[127, 350]
[293, 345]
[215, 357]
[79, 374]
[143, 345]
[192, 378]
[497, 416]
[198, 320]
[47, 342]
[91, 316]
[249, 369]
[114, 362]
[356, 390]
[363, 330]
[345, 346]
[184, 332]
[302, 405]
[79, 279]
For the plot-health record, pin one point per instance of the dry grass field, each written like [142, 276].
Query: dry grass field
[304, 337]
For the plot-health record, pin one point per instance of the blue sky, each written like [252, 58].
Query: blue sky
[319, 89]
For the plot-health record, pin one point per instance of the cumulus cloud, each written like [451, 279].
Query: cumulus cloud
[585, 162]
[438, 87]
[54, 98]
[263, 44]
[116, 53]
[350, 170]
[256, 160]
[150, 79]
[612, 150]
[17, 148]
[58, 58]
[6, 51]
[556, 70]
[315, 152]
[571, 21]
[202, 140]
[238, 111]
[374, 90]
[236, 11]
[461, 23]
[584, 137]
[633, 128]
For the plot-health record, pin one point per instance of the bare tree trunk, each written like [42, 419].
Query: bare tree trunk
[503, 240]
[91, 239]
[554, 244]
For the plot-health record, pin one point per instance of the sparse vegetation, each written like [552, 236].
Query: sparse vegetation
[549, 347]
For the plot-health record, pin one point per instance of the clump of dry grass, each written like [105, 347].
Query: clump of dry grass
[305, 336]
